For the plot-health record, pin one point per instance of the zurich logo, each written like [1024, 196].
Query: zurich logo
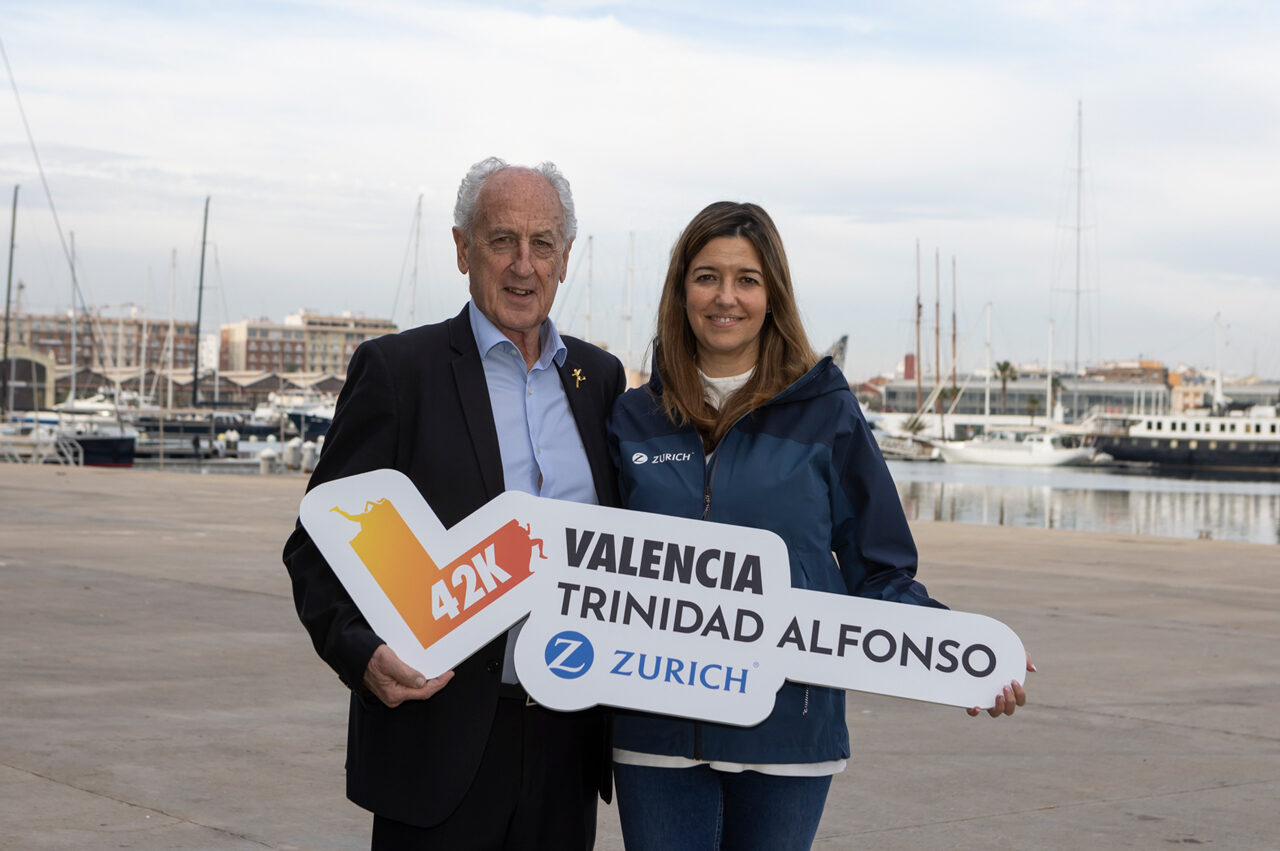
[569, 655]
[639, 458]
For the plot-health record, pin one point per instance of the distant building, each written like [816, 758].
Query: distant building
[26, 380]
[103, 342]
[1187, 397]
[1076, 396]
[303, 342]
[258, 344]
[1140, 371]
[331, 340]
[870, 393]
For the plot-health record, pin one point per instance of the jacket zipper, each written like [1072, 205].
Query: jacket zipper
[708, 477]
[706, 515]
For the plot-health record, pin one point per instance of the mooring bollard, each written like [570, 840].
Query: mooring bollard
[310, 452]
[267, 461]
[291, 457]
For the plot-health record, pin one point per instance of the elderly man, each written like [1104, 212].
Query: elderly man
[492, 399]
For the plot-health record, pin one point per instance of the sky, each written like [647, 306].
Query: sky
[873, 133]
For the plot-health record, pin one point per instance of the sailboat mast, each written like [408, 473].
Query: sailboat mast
[6, 395]
[173, 285]
[1219, 398]
[953, 322]
[919, 314]
[986, 396]
[142, 352]
[631, 265]
[195, 368]
[937, 325]
[1048, 377]
[590, 260]
[1079, 218]
[75, 320]
[115, 373]
[413, 281]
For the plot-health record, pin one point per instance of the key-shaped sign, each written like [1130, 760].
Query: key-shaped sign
[634, 610]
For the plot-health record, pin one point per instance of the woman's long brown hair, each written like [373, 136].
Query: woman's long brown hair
[784, 351]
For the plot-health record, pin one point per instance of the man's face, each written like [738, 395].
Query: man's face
[516, 254]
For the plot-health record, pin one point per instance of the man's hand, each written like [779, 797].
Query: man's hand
[1009, 699]
[394, 682]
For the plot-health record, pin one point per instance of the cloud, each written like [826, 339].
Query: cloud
[315, 126]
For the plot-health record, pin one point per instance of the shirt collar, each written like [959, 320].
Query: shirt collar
[489, 337]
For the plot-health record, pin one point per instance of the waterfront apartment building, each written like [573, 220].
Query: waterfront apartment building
[331, 340]
[1027, 394]
[103, 342]
[261, 345]
[303, 342]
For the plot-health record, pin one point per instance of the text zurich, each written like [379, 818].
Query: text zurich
[679, 671]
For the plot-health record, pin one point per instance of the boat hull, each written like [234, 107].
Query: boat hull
[1260, 455]
[102, 451]
[1015, 456]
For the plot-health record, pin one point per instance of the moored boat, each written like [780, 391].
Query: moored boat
[1012, 448]
[55, 436]
[1246, 440]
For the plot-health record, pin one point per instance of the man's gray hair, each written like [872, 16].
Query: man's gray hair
[464, 211]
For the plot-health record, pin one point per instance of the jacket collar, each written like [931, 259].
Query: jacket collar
[824, 377]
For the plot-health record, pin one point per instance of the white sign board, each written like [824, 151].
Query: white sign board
[635, 610]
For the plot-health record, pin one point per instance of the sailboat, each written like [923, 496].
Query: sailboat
[1016, 448]
[1030, 446]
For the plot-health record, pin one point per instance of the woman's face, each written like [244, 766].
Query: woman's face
[725, 303]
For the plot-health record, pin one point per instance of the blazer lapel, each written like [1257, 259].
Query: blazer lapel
[468, 374]
[590, 420]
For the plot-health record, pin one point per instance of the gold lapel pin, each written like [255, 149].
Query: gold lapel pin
[578, 377]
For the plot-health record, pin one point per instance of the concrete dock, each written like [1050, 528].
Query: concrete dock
[158, 691]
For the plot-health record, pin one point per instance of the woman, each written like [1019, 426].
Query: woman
[735, 382]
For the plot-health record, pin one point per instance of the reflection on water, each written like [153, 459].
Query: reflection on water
[1094, 500]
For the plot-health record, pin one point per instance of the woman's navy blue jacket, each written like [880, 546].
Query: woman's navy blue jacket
[805, 466]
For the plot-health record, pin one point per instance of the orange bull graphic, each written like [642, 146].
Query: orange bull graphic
[435, 600]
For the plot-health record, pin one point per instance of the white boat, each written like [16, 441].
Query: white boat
[55, 436]
[1015, 449]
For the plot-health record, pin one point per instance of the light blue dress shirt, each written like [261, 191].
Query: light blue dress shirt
[542, 452]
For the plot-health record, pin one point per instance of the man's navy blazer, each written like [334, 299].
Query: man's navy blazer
[417, 402]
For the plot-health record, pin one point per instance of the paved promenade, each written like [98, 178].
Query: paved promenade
[158, 692]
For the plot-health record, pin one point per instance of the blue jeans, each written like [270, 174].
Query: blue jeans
[701, 809]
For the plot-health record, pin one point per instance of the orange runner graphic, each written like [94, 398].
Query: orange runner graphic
[434, 600]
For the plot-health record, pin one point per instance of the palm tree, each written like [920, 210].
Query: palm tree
[1032, 405]
[913, 424]
[945, 395]
[1006, 372]
[1057, 387]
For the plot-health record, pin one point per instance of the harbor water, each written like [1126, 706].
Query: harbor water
[1092, 499]
[1087, 499]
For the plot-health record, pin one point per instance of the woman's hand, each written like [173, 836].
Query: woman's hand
[1013, 696]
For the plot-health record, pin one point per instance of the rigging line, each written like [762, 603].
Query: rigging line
[568, 288]
[222, 291]
[97, 338]
[66, 252]
[404, 264]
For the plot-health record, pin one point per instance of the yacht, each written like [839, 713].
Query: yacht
[1014, 448]
[1245, 439]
